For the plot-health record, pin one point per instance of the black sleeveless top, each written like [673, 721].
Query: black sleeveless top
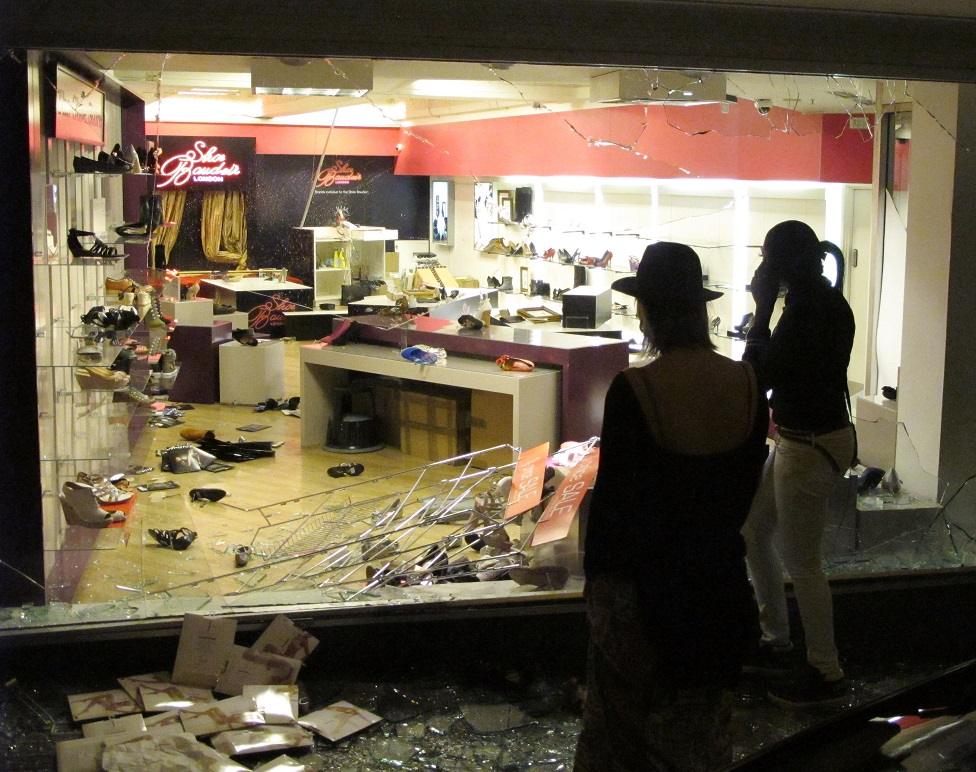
[670, 523]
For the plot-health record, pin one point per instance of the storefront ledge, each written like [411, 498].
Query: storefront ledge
[153, 617]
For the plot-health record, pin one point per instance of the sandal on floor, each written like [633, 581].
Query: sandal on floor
[345, 469]
[507, 362]
[178, 539]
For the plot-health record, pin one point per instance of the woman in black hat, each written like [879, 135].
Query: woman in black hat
[669, 605]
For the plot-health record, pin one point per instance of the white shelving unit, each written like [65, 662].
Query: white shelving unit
[339, 254]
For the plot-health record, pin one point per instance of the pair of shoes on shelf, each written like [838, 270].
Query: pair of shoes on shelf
[80, 506]
[113, 318]
[106, 492]
[178, 539]
[245, 337]
[97, 249]
[345, 469]
[105, 163]
[101, 378]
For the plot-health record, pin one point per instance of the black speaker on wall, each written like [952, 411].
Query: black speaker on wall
[523, 203]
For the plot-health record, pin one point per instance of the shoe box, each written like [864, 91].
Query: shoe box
[585, 307]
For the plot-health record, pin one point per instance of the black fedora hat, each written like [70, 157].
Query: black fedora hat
[669, 274]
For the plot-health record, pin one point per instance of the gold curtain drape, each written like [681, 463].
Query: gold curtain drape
[223, 228]
[173, 203]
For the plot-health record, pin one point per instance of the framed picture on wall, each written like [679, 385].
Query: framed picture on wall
[440, 212]
[505, 205]
[485, 213]
[79, 111]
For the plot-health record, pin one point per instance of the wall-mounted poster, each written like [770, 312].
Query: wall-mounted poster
[79, 110]
[485, 213]
[440, 208]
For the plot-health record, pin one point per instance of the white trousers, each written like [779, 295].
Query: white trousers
[785, 530]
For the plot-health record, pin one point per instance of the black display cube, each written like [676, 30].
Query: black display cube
[585, 307]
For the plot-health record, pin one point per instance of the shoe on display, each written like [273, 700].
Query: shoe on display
[80, 507]
[808, 688]
[245, 337]
[541, 577]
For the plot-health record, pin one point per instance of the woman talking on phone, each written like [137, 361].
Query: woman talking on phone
[803, 361]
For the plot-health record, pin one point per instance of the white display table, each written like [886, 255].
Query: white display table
[251, 374]
[535, 395]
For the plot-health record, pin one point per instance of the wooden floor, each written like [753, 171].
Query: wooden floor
[260, 494]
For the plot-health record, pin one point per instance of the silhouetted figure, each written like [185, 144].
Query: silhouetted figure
[804, 361]
[669, 606]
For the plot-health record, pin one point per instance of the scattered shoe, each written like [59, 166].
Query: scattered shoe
[206, 494]
[809, 689]
[197, 435]
[345, 469]
[178, 539]
[469, 322]
[242, 555]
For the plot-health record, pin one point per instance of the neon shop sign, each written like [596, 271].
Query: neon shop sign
[339, 173]
[202, 164]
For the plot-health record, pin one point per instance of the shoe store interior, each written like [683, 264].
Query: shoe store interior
[332, 336]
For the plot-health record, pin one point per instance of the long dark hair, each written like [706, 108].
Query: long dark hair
[666, 329]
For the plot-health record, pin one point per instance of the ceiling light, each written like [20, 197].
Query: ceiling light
[312, 77]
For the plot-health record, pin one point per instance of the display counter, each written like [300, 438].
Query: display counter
[535, 395]
[587, 364]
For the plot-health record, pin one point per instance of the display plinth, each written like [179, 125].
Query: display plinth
[252, 374]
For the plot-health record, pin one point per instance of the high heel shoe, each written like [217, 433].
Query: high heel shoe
[101, 378]
[177, 539]
[80, 507]
[98, 249]
[105, 491]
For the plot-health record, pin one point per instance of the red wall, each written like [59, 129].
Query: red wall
[290, 140]
[702, 141]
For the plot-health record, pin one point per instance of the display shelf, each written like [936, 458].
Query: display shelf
[84, 262]
[61, 174]
[363, 251]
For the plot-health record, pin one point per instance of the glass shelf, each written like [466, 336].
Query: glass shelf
[72, 173]
[87, 262]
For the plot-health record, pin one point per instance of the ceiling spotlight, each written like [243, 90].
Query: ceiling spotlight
[763, 106]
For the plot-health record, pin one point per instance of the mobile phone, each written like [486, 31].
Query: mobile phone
[161, 485]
